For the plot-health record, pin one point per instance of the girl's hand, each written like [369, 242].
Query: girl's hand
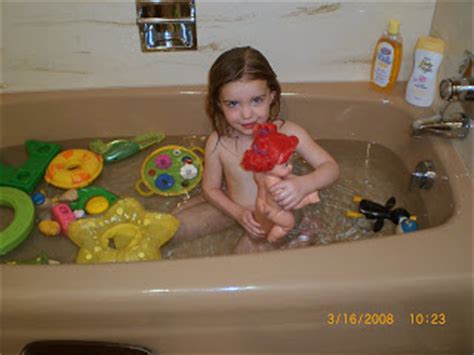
[253, 228]
[287, 193]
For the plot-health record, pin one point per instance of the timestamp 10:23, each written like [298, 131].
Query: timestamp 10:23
[419, 318]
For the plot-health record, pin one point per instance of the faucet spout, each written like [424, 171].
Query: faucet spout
[455, 126]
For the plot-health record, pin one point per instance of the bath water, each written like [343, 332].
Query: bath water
[367, 169]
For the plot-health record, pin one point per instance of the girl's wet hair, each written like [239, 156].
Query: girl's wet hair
[236, 64]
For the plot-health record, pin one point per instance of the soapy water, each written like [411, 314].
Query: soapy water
[368, 170]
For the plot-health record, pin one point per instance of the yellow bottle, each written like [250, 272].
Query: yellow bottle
[387, 58]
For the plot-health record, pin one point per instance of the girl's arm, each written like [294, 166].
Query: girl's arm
[290, 192]
[212, 188]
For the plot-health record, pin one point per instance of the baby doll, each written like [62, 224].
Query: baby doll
[268, 158]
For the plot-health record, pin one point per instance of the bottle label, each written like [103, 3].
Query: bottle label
[426, 68]
[421, 87]
[383, 64]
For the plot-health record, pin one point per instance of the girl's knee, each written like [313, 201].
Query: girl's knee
[199, 220]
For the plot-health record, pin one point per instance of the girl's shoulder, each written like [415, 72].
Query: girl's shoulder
[212, 141]
[215, 142]
[213, 137]
[289, 127]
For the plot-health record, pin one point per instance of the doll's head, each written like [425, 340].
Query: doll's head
[269, 149]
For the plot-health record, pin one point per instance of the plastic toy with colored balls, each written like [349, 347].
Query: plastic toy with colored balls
[374, 210]
[170, 171]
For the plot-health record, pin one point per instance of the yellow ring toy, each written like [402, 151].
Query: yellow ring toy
[74, 168]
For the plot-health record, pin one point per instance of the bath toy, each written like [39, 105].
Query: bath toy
[17, 231]
[44, 203]
[69, 196]
[374, 210]
[407, 225]
[126, 232]
[41, 259]
[86, 194]
[49, 228]
[97, 205]
[170, 171]
[43, 211]
[62, 214]
[269, 159]
[74, 168]
[29, 175]
[38, 198]
[79, 213]
[122, 148]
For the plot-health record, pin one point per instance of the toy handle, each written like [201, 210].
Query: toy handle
[138, 187]
[197, 151]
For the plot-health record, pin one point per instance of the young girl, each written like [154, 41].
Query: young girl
[244, 91]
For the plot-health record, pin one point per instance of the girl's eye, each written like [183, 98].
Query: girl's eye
[258, 99]
[231, 104]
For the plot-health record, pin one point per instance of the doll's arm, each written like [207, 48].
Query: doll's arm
[290, 192]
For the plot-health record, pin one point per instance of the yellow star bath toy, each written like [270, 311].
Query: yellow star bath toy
[126, 232]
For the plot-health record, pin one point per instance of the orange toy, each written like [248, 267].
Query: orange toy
[74, 168]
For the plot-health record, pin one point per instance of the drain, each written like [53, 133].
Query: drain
[424, 175]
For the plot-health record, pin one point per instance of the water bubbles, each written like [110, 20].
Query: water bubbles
[368, 170]
[347, 234]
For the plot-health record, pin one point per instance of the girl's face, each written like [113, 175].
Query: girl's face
[246, 103]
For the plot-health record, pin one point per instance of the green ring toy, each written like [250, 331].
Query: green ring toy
[23, 222]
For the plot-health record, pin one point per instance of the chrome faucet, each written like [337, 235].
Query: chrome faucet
[455, 125]
[457, 89]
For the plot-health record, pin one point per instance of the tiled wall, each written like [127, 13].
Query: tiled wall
[453, 22]
[83, 44]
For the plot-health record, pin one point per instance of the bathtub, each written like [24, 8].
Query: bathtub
[334, 298]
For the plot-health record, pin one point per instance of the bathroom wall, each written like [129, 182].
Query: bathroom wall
[453, 22]
[84, 44]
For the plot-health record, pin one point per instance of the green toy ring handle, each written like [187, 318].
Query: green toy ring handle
[17, 231]
[138, 186]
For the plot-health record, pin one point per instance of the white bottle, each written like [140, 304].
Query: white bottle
[421, 87]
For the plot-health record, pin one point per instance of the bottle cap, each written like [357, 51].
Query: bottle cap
[431, 44]
[393, 27]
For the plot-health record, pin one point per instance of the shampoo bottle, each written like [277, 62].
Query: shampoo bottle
[387, 58]
[422, 84]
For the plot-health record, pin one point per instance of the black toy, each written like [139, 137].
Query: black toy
[374, 210]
